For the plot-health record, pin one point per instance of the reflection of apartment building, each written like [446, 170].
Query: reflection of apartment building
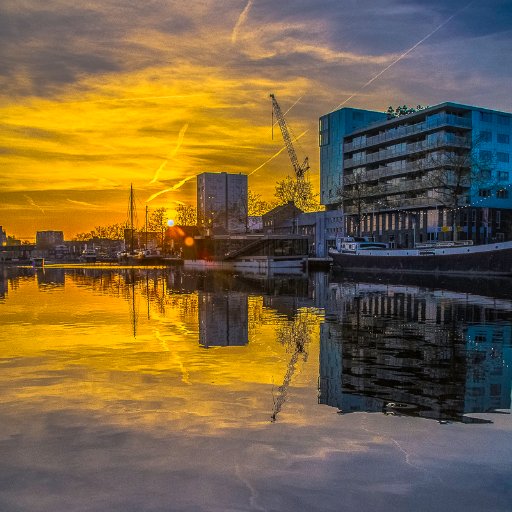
[382, 345]
[489, 361]
[420, 176]
[223, 319]
[222, 203]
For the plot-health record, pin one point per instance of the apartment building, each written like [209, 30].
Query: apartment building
[222, 203]
[440, 173]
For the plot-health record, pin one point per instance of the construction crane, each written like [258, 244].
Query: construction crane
[300, 170]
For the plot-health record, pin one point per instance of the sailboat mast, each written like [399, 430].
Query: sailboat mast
[131, 217]
[146, 248]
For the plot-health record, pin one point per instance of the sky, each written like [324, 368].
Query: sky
[100, 94]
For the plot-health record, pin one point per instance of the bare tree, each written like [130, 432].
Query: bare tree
[186, 215]
[158, 222]
[454, 173]
[110, 232]
[300, 191]
[354, 195]
[256, 205]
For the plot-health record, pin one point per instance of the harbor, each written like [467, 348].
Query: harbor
[172, 376]
[255, 256]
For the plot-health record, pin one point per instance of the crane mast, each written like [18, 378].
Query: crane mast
[298, 168]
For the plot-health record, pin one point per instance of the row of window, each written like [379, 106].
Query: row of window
[500, 194]
[487, 117]
[398, 221]
[501, 138]
[487, 156]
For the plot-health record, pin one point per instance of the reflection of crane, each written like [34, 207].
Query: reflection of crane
[299, 169]
[298, 336]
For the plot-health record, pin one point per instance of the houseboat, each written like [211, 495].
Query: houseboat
[447, 257]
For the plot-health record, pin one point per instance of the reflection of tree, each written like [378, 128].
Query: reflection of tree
[295, 336]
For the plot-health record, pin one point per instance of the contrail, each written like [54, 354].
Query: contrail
[82, 203]
[240, 21]
[31, 202]
[403, 55]
[296, 101]
[277, 154]
[173, 153]
[174, 187]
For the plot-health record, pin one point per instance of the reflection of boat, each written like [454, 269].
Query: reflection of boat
[399, 408]
[450, 257]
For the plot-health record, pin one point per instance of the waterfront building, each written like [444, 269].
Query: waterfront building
[441, 173]
[222, 203]
[49, 239]
[320, 227]
[282, 219]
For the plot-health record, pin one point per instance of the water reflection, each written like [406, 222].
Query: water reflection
[402, 349]
[410, 350]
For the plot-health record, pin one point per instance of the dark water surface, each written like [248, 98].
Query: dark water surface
[166, 390]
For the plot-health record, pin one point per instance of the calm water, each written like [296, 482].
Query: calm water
[161, 390]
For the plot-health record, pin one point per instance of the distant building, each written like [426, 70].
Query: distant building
[281, 219]
[49, 239]
[222, 203]
[322, 228]
[419, 177]
[3, 236]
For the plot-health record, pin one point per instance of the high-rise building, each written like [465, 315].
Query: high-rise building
[440, 173]
[222, 203]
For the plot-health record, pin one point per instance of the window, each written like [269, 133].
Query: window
[484, 192]
[485, 136]
[473, 217]
[502, 194]
[503, 175]
[504, 120]
[503, 138]
[323, 138]
[485, 156]
[498, 218]
[486, 117]
[502, 157]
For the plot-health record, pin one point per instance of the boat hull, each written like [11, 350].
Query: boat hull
[492, 259]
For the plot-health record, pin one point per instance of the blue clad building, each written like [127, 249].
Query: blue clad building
[440, 173]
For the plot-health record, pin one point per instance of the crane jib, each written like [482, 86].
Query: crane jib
[299, 169]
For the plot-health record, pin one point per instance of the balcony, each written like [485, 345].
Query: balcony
[413, 202]
[446, 140]
[406, 131]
